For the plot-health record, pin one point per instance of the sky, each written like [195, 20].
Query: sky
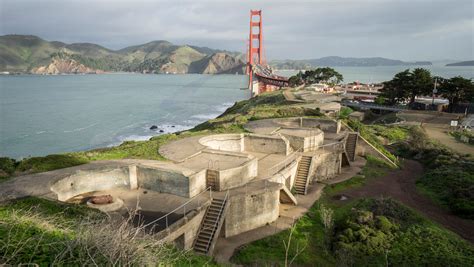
[399, 29]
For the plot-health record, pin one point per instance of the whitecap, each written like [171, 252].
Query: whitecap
[81, 129]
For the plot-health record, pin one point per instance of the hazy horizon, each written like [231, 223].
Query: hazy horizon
[404, 30]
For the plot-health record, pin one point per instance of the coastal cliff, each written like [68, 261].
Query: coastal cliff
[64, 66]
[31, 54]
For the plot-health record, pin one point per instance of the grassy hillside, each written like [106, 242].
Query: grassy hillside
[22, 53]
[359, 232]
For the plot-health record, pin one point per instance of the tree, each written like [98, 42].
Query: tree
[320, 75]
[457, 90]
[407, 85]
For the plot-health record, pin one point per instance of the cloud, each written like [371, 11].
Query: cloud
[292, 29]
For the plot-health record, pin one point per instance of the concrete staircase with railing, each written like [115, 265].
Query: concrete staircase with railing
[302, 175]
[211, 226]
[351, 144]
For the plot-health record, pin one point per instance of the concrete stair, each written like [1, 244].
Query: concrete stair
[302, 173]
[287, 197]
[351, 144]
[211, 179]
[210, 227]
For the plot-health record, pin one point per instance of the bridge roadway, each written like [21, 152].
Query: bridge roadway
[372, 106]
[265, 75]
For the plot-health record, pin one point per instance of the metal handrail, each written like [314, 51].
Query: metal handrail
[218, 219]
[181, 206]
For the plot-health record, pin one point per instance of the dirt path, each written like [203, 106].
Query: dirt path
[441, 135]
[400, 185]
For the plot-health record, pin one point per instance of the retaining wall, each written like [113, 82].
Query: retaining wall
[89, 181]
[249, 211]
[170, 181]
[266, 144]
[226, 142]
[323, 124]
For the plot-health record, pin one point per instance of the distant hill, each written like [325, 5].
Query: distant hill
[334, 61]
[462, 63]
[31, 54]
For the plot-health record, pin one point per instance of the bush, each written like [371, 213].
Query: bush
[50, 162]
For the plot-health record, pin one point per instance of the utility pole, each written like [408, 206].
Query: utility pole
[435, 91]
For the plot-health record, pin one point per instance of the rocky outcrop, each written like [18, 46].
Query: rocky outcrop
[218, 63]
[64, 66]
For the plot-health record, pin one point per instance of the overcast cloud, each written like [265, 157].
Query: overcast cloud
[400, 29]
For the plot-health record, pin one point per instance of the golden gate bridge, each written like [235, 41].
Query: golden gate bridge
[261, 76]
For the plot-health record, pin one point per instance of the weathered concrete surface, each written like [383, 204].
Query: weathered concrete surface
[186, 148]
[326, 165]
[184, 231]
[266, 144]
[252, 206]
[170, 181]
[225, 142]
[91, 180]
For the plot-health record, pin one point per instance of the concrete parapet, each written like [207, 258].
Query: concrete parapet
[225, 142]
[172, 181]
[252, 206]
[266, 144]
[91, 180]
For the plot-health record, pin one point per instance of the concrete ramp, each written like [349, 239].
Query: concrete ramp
[286, 197]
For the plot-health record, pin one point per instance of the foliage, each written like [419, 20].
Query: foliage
[50, 162]
[371, 138]
[7, 167]
[344, 113]
[407, 85]
[457, 89]
[449, 177]
[391, 133]
[463, 136]
[318, 75]
[43, 232]
[385, 231]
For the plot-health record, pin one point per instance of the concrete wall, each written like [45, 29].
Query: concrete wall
[249, 211]
[170, 181]
[184, 231]
[287, 175]
[226, 142]
[88, 181]
[323, 124]
[266, 144]
[326, 166]
[238, 176]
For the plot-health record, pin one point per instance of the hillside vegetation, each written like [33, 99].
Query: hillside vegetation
[31, 54]
[359, 232]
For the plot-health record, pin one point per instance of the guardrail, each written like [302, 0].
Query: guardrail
[182, 206]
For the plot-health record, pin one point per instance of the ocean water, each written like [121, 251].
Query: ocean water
[41, 115]
[385, 73]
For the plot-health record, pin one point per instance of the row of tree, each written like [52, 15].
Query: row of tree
[407, 85]
[404, 87]
[320, 75]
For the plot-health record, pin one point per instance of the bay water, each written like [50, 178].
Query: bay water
[41, 115]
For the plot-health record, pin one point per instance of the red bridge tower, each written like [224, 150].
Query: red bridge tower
[256, 63]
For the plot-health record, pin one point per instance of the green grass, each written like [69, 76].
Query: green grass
[309, 232]
[463, 135]
[368, 134]
[449, 176]
[344, 113]
[34, 230]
